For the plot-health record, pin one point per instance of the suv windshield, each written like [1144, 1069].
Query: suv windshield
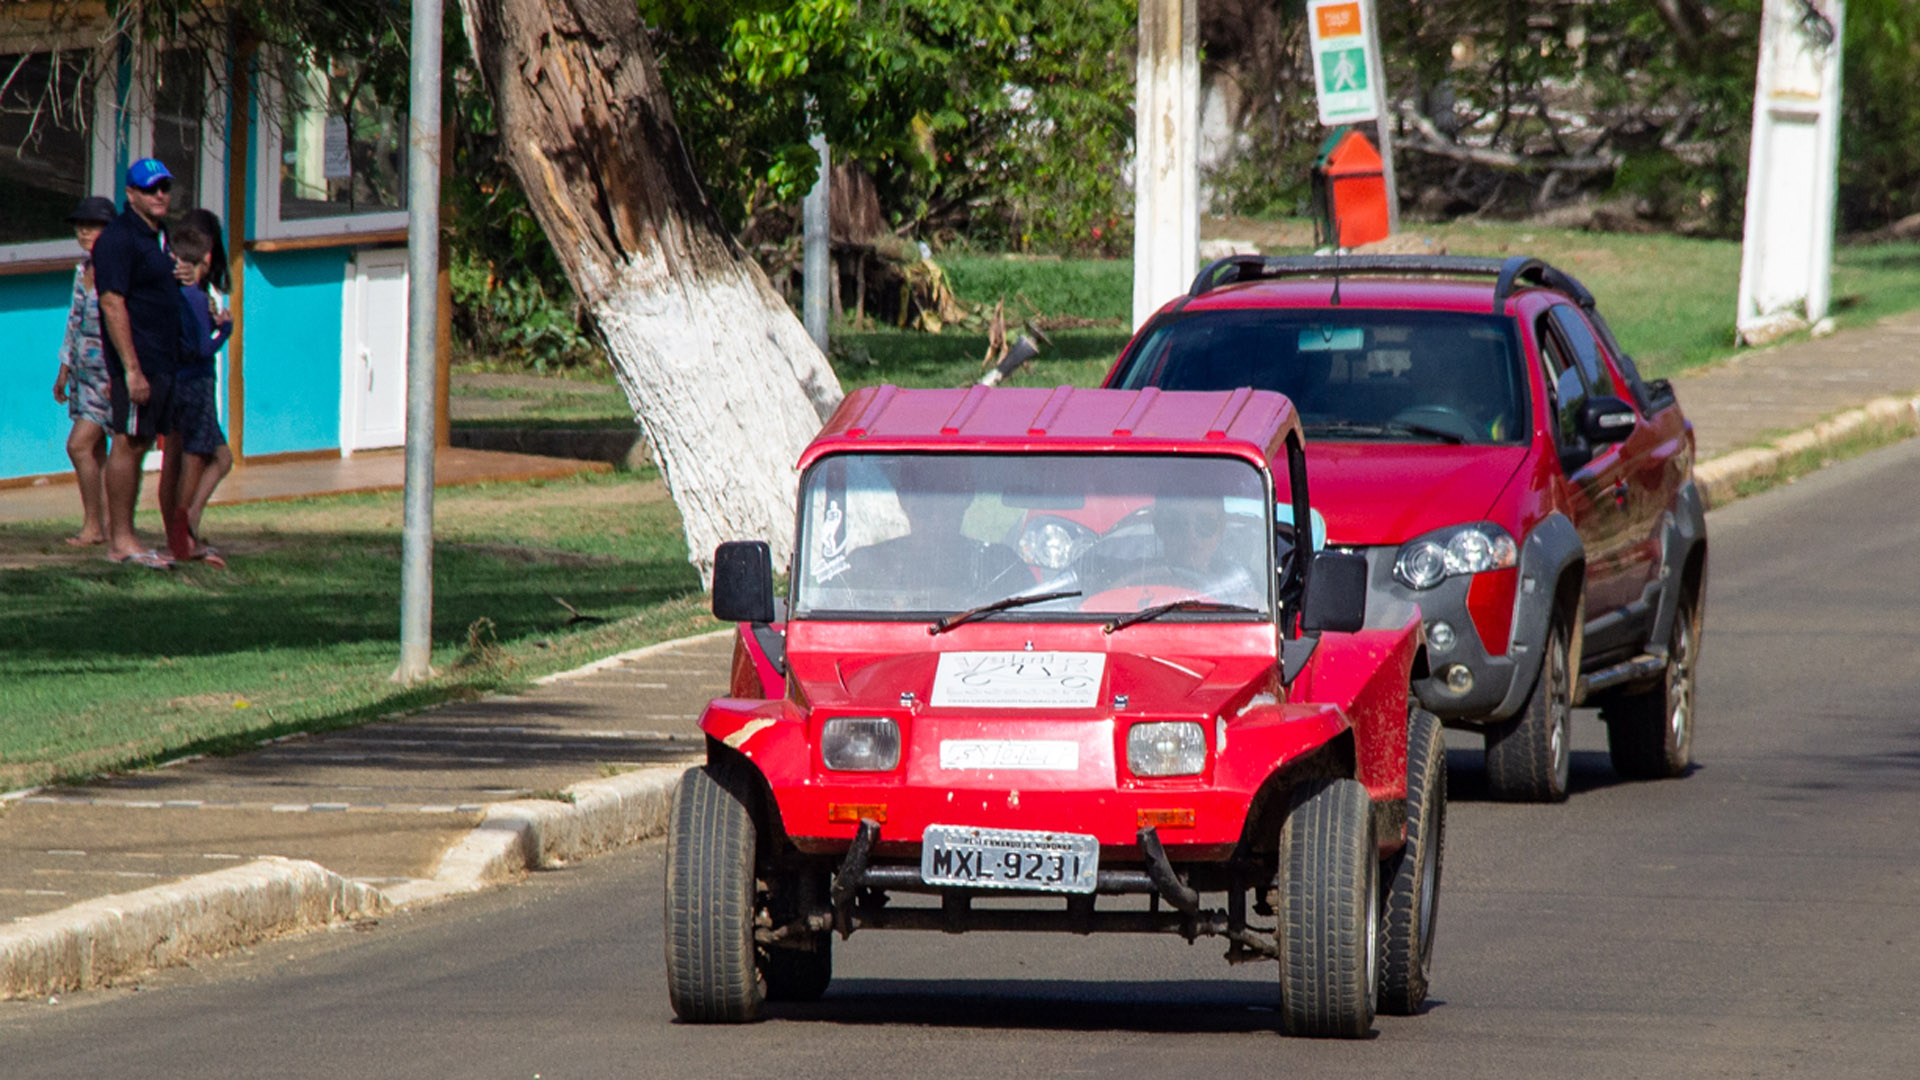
[1353, 373]
[926, 535]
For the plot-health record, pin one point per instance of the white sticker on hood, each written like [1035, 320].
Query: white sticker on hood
[1018, 680]
[1056, 755]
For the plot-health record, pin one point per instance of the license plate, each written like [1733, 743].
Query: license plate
[1009, 859]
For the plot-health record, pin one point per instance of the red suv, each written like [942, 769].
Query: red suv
[1476, 431]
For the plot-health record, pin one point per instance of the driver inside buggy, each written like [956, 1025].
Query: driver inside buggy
[1181, 546]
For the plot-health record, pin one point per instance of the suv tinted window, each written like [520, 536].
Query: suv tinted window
[1353, 374]
[1585, 349]
[1564, 382]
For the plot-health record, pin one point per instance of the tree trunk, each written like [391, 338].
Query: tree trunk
[722, 377]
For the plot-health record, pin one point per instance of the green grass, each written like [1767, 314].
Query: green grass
[111, 666]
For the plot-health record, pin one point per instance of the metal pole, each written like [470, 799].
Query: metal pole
[816, 302]
[423, 261]
[1383, 105]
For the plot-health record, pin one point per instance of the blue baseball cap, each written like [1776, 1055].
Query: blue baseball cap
[146, 172]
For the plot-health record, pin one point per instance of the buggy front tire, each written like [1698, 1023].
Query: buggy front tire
[710, 904]
[1413, 875]
[1329, 928]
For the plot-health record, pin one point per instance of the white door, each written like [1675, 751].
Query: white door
[376, 361]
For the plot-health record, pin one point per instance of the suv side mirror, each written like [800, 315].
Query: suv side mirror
[1336, 594]
[743, 582]
[1607, 420]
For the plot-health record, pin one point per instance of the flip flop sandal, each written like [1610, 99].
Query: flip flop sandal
[211, 557]
[74, 541]
[152, 560]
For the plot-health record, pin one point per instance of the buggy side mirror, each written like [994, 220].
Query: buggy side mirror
[743, 582]
[1336, 593]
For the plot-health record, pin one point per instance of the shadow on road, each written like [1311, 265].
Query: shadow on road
[1062, 1005]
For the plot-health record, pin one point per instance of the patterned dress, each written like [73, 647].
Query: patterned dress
[87, 382]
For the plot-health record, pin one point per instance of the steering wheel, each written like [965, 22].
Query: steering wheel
[1165, 574]
[1443, 418]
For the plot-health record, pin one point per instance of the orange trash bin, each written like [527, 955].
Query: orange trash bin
[1349, 190]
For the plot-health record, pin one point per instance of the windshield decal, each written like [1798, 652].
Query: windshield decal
[1018, 679]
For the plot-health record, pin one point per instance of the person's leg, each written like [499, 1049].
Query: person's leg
[173, 511]
[87, 449]
[214, 468]
[125, 459]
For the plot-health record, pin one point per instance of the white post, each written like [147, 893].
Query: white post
[1786, 261]
[423, 299]
[1166, 155]
[815, 224]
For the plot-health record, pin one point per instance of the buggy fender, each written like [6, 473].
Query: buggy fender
[1366, 675]
[1682, 537]
[759, 661]
[1548, 552]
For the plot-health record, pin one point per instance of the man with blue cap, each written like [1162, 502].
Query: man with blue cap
[140, 314]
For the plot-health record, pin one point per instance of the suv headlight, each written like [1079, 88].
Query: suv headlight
[1051, 543]
[860, 744]
[1462, 549]
[1166, 748]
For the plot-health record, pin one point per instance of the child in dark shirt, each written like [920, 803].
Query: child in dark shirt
[204, 327]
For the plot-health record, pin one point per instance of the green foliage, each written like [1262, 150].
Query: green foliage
[515, 319]
[1880, 134]
[1005, 119]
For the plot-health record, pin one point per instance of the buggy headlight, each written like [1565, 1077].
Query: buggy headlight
[860, 744]
[1462, 549]
[1166, 748]
[1051, 543]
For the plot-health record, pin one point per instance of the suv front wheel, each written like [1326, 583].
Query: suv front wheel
[1529, 758]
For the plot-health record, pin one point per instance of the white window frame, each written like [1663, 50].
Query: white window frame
[213, 130]
[102, 139]
[267, 224]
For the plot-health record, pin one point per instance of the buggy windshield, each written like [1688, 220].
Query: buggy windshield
[914, 536]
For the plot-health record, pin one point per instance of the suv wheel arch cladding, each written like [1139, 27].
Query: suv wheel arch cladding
[1552, 583]
[1683, 551]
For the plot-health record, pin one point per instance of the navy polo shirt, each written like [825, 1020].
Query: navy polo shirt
[127, 259]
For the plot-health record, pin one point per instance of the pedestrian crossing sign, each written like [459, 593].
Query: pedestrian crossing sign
[1345, 60]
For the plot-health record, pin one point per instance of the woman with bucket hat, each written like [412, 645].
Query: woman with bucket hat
[83, 384]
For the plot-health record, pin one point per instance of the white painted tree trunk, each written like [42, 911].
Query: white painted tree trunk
[723, 379]
[728, 389]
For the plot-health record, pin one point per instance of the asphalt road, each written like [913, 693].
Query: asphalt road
[1760, 917]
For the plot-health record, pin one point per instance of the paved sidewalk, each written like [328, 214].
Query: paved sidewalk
[376, 470]
[378, 804]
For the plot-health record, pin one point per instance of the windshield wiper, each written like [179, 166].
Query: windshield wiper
[1191, 603]
[948, 622]
[1350, 427]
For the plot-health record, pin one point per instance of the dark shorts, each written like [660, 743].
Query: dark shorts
[196, 415]
[142, 421]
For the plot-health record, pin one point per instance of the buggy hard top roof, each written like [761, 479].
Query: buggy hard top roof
[1254, 424]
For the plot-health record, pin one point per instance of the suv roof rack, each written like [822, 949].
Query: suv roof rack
[1516, 270]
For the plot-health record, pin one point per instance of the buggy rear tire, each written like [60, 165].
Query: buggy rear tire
[1330, 912]
[1413, 875]
[1650, 734]
[1529, 758]
[710, 904]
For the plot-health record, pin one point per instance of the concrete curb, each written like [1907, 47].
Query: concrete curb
[1720, 478]
[541, 833]
[93, 943]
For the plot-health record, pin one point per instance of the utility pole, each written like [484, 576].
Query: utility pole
[423, 265]
[1786, 259]
[816, 223]
[1166, 154]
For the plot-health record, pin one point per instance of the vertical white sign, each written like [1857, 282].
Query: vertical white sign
[1346, 63]
[1787, 259]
